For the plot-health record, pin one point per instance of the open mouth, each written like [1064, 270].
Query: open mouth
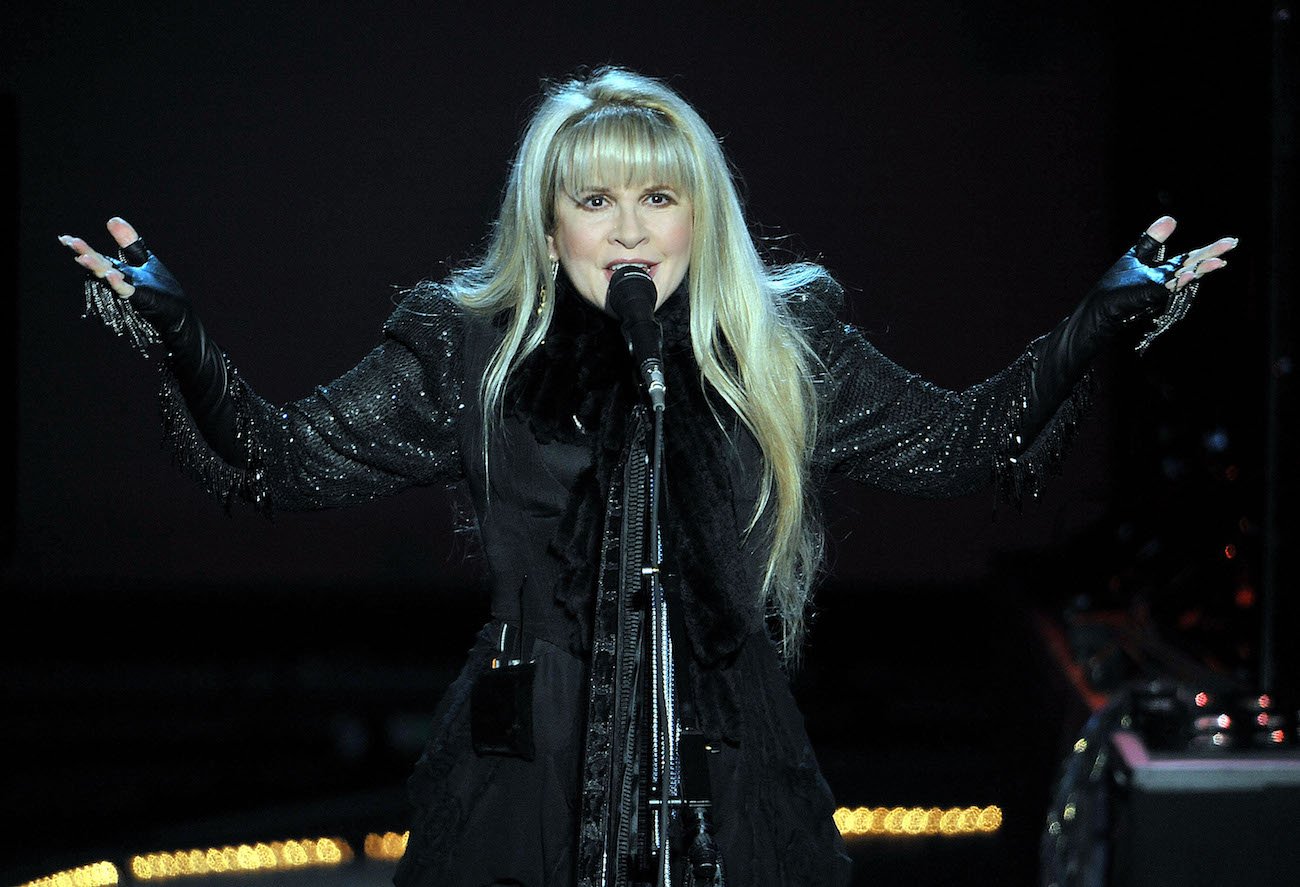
[648, 267]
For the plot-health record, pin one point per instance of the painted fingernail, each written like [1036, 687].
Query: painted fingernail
[65, 240]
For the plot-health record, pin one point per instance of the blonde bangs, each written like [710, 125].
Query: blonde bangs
[620, 145]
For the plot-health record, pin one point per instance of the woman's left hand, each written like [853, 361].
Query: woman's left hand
[1136, 286]
[1194, 265]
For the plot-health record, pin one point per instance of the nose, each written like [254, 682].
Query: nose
[628, 231]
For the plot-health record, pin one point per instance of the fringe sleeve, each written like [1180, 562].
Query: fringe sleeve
[391, 422]
[887, 427]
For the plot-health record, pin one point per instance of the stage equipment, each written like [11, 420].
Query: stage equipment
[1170, 785]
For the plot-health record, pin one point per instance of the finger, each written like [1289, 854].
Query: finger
[1205, 266]
[94, 263]
[1207, 258]
[1194, 271]
[1161, 228]
[117, 283]
[102, 268]
[1148, 246]
[1213, 250]
[123, 233]
[77, 245]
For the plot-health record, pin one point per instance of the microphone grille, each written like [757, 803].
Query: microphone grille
[629, 285]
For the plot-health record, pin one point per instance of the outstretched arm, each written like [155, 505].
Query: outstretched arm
[891, 428]
[389, 423]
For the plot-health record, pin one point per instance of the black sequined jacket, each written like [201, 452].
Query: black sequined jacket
[408, 415]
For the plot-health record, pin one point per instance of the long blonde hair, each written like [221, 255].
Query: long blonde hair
[748, 347]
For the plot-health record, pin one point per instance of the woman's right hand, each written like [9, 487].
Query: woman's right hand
[153, 293]
[99, 265]
[142, 280]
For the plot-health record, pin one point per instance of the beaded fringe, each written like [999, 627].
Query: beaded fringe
[118, 314]
[1180, 302]
[198, 461]
[1176, 308]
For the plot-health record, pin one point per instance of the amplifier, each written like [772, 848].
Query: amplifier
[1218, 818]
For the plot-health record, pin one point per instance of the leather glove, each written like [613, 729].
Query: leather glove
[1132, 289]
[198, 364]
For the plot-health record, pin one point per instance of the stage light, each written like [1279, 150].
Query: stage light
[860, 822]
[388, 847]
[242, 859]
[97, 874]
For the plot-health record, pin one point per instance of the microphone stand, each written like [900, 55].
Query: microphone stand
[663, 771]
[678, 790]
[673, 736]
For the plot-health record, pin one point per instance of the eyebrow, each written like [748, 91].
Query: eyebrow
[606, 189]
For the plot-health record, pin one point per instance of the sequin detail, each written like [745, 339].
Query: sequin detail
[391, 422]
[893, 429]
[192, 454]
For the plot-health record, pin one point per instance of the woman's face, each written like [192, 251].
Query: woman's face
[602, 227]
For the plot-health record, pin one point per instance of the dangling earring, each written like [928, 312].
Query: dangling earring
[541, 291]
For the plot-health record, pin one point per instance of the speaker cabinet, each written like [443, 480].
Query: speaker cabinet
[1221, 818]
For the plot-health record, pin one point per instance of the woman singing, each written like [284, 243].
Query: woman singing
[625, 717]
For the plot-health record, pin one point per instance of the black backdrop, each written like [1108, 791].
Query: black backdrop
[967, 170]
[966, 173]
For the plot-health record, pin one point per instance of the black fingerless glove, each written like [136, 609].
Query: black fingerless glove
[1133, 289]
[198, 364]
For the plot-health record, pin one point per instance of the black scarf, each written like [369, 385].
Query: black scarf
[581, 385]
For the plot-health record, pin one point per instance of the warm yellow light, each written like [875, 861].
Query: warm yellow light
[388, 846]
[295, 854]
[892, 821]
[97, 874]
[261, 856]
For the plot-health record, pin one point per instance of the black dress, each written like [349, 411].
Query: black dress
[408, 415]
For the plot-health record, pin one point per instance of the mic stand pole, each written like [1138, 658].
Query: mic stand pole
[679, 768]
[663, 723]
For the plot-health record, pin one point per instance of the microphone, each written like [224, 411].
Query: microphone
[631, 298]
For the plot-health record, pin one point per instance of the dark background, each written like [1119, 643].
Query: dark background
[967, 170]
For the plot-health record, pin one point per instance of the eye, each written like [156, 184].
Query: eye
[594, 201]
[660, 198]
